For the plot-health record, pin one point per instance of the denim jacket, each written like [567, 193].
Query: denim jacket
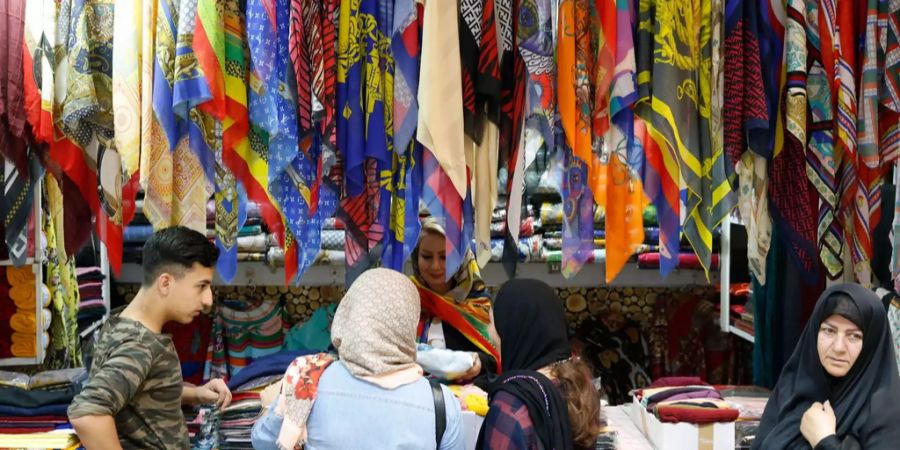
[350, 413]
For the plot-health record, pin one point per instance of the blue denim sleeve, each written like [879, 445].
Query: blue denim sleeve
[264, 434]
[454, 439]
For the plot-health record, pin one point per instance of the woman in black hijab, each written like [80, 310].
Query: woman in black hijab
[544, 398]
[840, 388]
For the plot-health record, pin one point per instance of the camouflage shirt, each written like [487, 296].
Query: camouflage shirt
[136, 378]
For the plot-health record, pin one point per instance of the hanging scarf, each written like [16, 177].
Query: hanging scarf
[13, 134]
[624, 196]
[534, 32]
[531, 322]
[466, 306]
[126, 83]
[359, 206]
[209, 49]
[244, 152]
[85, 117]
[578, 226]
[820, 157]
[405, 44]
[175, 182]
[512, 111]
[792, 209]
[662, 178]
[469, 21]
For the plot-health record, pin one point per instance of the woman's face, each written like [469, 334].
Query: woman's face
[839, 344]
[432, 262]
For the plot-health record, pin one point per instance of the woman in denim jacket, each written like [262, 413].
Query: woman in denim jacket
[373, 395]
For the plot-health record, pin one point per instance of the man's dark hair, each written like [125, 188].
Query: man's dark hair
[175, 250]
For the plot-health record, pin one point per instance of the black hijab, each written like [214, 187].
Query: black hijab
[866, 401]
[531, 323]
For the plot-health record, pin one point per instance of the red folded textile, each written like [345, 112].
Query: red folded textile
[244, 396]
[677, 414]
[41, 419]
[26, 430]
[685, 261]
[677, 381]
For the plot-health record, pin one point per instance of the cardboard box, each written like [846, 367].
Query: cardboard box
[682, 436]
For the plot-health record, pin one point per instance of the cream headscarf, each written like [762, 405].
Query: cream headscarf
[374, 328]
[374, 332]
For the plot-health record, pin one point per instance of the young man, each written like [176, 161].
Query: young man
[134, 396]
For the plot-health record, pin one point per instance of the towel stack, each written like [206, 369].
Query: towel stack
[91, 306]
[24, 323]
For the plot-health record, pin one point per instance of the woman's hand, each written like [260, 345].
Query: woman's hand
[474, 370]
[818, 423]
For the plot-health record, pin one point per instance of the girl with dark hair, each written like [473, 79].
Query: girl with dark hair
[544, 397]
[840, 388]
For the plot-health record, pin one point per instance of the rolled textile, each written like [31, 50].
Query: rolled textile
[19, 275]
[333, 239]
[23, 297]
[251, 208]
[47, 318]
[275, 257]
[531, 249]
[251, 256]
[250, 244]
[331, 257]
[685, 261]
[552, 214]
[24, 345]
[23, 322]
[498, 229]
[137, 233]
[597, 256]
[332, 223]
[45, 296]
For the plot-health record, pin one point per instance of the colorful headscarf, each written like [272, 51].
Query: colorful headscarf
[466, 306]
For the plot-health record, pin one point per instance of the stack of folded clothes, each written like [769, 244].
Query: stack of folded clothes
[230, 428]
[689, 400]
[33, 408]
[91, 306]
[22, 328]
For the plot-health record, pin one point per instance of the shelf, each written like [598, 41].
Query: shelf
[591, 275]
[741, 334]
[7, 262]
[14, 361]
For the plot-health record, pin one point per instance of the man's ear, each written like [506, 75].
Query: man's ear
[164, 283]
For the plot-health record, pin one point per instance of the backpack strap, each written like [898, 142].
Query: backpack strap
[440, 412]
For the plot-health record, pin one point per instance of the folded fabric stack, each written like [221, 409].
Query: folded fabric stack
[742, 311]
[541, 237]
[253, 241]
[33, 408]
[676, 400]
[91, 306]
[685, 261]
[20, 335]
[230, 428]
